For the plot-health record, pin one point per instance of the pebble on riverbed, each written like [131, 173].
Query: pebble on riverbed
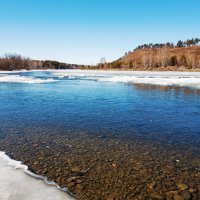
[94, 168]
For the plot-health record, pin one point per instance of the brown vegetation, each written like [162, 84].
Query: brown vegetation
[11, 62]
[159, 59]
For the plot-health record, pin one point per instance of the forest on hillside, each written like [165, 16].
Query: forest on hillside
[160, 55]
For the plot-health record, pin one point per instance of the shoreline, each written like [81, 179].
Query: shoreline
[102, 70]
[21, 171]
[106, 70]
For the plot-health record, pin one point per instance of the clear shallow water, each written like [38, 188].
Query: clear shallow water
[100, 102]
[164, 107]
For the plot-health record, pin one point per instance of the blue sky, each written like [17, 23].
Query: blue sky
[83, 31]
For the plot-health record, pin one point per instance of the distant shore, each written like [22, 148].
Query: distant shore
[141, 69]
[167, 69]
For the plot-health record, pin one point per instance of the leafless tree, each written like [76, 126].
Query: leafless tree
[145, 60]
[164, 53]
[192, 60]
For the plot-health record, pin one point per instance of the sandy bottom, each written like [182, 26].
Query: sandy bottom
[15, 184]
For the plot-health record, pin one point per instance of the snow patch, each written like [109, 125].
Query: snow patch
[16, 183]
[22, 79]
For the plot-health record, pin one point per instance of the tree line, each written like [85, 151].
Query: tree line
[179, 44]
[10, 62]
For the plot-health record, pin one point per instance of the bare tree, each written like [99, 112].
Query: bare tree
[145, 60]
[192, 60]
[164, 56]
[151, 59]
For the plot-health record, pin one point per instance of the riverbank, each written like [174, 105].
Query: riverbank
[150, 70]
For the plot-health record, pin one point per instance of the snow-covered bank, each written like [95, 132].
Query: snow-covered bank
[121, 72]
[17, 184]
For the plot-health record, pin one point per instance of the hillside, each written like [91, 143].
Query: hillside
[164, 58]
[183, 56]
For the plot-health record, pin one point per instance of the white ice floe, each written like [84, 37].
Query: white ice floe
[178, 81]
[22, 79]
[186, 79]
[16, 183]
